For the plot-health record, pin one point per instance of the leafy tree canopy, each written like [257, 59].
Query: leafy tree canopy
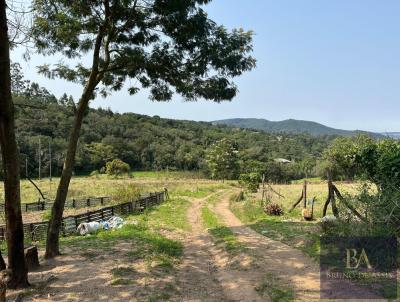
[167, 46]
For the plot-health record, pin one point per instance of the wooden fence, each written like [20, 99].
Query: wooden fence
[73, 203]
[37, 231]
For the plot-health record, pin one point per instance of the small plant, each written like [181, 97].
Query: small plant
[127, 193]
[273, 209]
[122, 271]
[250, 181]
[46, 215]
[237, 197]
[274, 288]
[329, 223]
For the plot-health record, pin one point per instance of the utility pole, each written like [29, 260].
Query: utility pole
[50, 159]
[26, 166]
[40, 158]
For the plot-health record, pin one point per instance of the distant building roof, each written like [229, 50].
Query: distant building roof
[282, 160]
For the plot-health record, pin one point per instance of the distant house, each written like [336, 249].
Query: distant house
[282, 160]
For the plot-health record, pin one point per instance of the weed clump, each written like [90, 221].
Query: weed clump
[273, 209]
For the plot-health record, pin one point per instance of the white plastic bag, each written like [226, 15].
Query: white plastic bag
[88, 227]
[115, 222]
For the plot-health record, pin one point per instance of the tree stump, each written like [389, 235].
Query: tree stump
[32, 258]
[2, 263]
[4, 279]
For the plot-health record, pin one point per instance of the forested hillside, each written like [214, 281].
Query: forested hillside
[142, 141]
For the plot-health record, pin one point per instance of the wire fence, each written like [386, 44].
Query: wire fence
[43, 205]
[37, 231]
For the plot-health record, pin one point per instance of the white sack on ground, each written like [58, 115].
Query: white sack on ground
[114, 222]
[88, 227]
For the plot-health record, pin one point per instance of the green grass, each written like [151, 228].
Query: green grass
[148, 242]
[104, 185]
[169, 215]
[309, 180]
[167, 174]
[299, 234]
[121, 281]
[122, 271]
[214, 198]
[221, 233]
[201, 191]
[273, 288]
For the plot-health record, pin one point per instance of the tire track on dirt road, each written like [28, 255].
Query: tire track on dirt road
[291, 266]
[205, 273]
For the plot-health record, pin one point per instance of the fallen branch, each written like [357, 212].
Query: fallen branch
[297, 202]
[348, 205]
[277, 193]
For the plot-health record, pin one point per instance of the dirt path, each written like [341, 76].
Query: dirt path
[205, 272]
[290, 265]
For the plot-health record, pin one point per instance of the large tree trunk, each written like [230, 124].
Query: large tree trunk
[10, 156]
[53, 231]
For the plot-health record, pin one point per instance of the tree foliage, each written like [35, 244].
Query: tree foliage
[161, 44]
[250, 181]
[222, 160]
[117, 167]
[377, 163]
[341, 155]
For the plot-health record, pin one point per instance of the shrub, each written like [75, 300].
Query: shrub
[250, 181]
[273, 209]
[117, 167]
[127, 193]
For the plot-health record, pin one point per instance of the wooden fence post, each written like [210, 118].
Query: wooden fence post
[305, 194]
[31, 231]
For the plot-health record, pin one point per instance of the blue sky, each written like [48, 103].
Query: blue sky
[336, 62]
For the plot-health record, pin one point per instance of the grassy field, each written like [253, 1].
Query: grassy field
[289, 228]
[104, 185]
[292, 192]
[144, 247]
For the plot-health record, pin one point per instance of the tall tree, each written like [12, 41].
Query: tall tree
[166, 46]
[10, 157]
[222, 160]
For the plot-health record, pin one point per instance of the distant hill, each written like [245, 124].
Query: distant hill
[289, 126]
[395, 135]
